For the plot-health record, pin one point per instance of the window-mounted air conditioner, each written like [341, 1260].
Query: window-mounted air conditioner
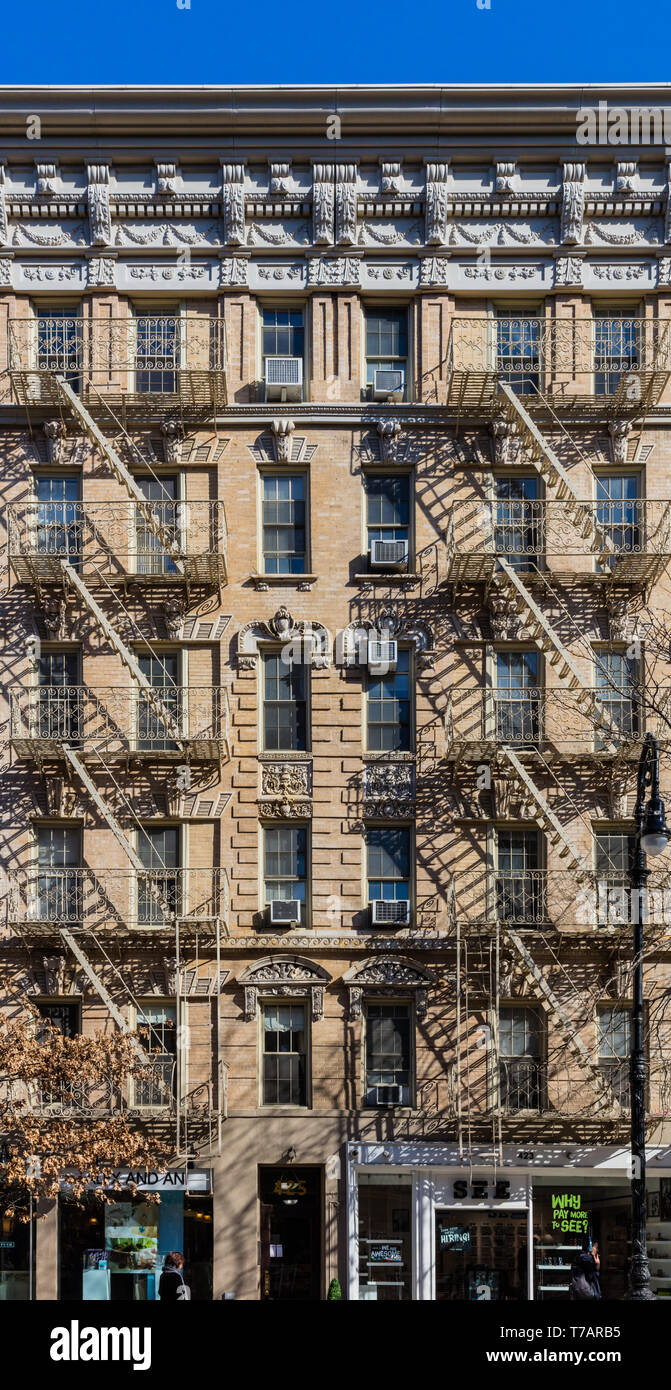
[388, 554]
[384, 1095]
[284, 378]
[285, 912]
[386, 912]
[382, 656]
[387, 383]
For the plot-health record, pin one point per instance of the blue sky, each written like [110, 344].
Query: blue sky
[154, 41]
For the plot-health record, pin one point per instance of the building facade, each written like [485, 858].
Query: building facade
[337, 512]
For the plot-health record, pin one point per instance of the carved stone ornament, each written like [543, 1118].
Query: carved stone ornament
[569, 270]
[234, 271]
[173, 612]
[173, 440]
[47, 177]
[308, 642]
[505, 175]
[667, 214]
[282, 432]
[390, 625]
[54, 431]
[53, 614]
[389, 790]
[283, 977]
[619, 431]
[100, 217]
[505, 621]
[503, 433]
[102, 272]
[280, 178]
[323, 204]
[5, 272]
[434, 271]
[387, 975]
[626, 175]
[390, 175]
[335, 271]
[436, 203]
[573, 204]
[345, 204]
[4, 226]
[286, 790]
[621, 619]
[389, 432]
[166, 176]
[233, 203]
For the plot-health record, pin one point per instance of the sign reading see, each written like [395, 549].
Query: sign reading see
[480, 1190]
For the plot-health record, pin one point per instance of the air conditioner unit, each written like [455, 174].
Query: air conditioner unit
[382, 656]
[284, 378]
[390, 912]
[388, 554]
[388, 383]
[384, 1095]
[285, 912]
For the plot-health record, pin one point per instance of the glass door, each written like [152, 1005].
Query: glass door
[159, 885]
[59, 524]
[59, 702]
[162, 671]
[517, 697]
[481, 1256]
[59, 896]
[152, 557]
[518, 534]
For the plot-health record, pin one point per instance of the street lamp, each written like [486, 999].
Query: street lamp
[652, 838]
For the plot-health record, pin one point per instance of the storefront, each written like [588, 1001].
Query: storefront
[17, 1250]
[424, 1226]
[113, 1250]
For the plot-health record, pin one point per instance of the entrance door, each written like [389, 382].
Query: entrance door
[290, 1234]
[481, 1256]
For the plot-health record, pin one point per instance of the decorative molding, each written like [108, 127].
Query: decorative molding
[619, 271]
[393, 626]
[100, 218]
[166, 176]
[621, 617]
[436, 203]
[310, 641]
[503, 433]
[54, 432]
[505, 174]
[389, 432]
[334, 271]
[619, 431]
[506, 622]
[5, 272]
[346, 203]
[387, 975]
[569, 270]
[173, 440]
[286, 790]
[501, 272]
[4, 225]
[102, 272]
[47, 177]
[573, 204]
[389, 790]
[626, 175]
[282, 432]
[434, 271]
[284, 977]
[391, 171]
[323, 204]
[234, 271]
[280, 178]
[233, 203]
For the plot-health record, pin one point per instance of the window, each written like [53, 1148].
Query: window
[59, 887]
[517, 697]
[617, 343]
[616, 678]
[283, 333]
[388, 863]
[387, 343]
[59, 521]
[59, 342]
[519, 532]
[285, 862]
[388, 1054]
[163, 493]
[520, 1059]
[618, 511]
[157, 1031]
[157, 352]
[518, 351]
[284, 523]
[62, 1014]
[59, 710]
[387, 508]
[284, 703]
[162, 671]
[388, 708]
[160, 884]
[614, 1040]
[520, 886]
[284, 1079]
[614, 857]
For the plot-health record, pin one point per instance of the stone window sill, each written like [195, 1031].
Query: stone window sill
[403, 578]
[288, 581]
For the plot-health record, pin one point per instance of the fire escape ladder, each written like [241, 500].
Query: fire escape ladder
[95, 434]
[104, 809]
[571, 1040]
[544, 459]
[102, 992]
[544, 815]
[543, 634]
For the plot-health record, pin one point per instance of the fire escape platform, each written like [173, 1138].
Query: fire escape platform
[199, 395]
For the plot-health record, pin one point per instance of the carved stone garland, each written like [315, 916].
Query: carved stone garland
[387, 975]
[284, 977]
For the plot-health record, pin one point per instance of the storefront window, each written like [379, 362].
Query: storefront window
[114, 1251]
[481, 1256]
[16, 1235]
[566, 1213]
[385, 1267]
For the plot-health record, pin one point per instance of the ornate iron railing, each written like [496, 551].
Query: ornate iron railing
[113, 538]
[561, 899]
[117, 899]
[528, 532]
[537, 717]
[121, 720]
[591, 356]
[143, 354]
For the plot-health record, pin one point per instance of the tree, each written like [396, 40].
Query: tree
[334, 1291]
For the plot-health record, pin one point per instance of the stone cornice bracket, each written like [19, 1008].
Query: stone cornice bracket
[173, 440]
[4, 227]
[100, 217]
[619, 431]
[503, 436]
[283, 977]
[436, 203]
[47, 176]
[165, 173]
[54, 432]
[323, 204]
[282, 433]
[572, 204]
[346, 199]
[387, 975]
[233, 203]
[667, 216]
[280, 178]
[626, 175]
[391, 171]
[389, 432]
[505, 174]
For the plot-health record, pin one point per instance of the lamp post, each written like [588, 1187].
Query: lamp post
[652, 838]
